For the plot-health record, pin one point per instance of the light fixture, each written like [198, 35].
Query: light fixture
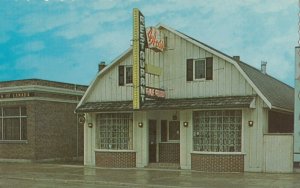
[185, 124]
[81, 118]
[140, 124]
[90, 125]
[250, 123]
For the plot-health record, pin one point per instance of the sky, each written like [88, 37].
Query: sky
[64, 40]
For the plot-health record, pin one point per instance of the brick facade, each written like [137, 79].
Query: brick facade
[53, 131]
[217, 162]
[169, 152]
[115, 159]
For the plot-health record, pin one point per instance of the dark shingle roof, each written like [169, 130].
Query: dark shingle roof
[170, 104]
[280, 95]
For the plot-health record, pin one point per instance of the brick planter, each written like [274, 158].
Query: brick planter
[217, 162]
[115, 159]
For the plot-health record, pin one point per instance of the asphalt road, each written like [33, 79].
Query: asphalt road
[57, 175]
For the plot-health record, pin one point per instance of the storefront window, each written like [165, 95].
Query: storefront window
[13, 123]
[114, 131]
[217, 130]
[171, 132]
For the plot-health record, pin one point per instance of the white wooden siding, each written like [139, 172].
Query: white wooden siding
[253, 136]
[281, 155]
[227, 81]
[107, 86]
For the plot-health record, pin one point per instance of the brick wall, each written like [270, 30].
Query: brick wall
[23, 149]
[217, 163]
[56, 131]
[116, 159]
[169, 152]
[51, 132]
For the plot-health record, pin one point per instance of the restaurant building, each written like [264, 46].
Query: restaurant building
[37, 120]
[185, 104]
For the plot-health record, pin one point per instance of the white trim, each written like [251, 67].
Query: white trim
[38, 99]
[42, 88]
[194, 69]
[13, 142]
[218, 153]
[281, 109]
[113, 151]
[16, 160]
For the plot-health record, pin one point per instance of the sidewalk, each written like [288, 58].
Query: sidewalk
[58, 175]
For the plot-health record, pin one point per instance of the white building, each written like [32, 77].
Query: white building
[218, 114]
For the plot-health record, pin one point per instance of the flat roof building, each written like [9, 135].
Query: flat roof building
[37, 120]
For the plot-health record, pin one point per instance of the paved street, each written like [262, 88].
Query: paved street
[58, 175]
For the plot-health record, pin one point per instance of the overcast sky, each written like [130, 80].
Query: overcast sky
[64, 40]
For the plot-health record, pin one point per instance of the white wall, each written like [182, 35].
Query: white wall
[227, 81]
[280, 158]
[253, 146]
[89, 140]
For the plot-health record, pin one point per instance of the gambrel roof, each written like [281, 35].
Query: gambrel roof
[275, 94]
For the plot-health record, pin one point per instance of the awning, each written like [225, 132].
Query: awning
[170, 104]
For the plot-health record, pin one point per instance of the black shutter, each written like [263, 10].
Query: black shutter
[189, 70]
[121, 75]
[209, 68]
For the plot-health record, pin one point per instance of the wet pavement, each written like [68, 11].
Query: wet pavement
[59, 175]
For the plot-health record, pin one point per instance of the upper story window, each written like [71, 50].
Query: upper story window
[13, 124]
[125, 75]
[199, 69]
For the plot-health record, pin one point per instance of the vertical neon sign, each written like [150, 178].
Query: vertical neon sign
[139, 44]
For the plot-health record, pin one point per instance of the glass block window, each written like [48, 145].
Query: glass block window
[114, 131]
[13, 123]
[217, 130]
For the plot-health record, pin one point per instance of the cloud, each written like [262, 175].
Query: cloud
[92, 23]
[34, 46]
[40, 22]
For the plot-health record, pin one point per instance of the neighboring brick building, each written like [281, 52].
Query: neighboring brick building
[37, 120]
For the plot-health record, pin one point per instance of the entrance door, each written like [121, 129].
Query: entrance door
[152, 141]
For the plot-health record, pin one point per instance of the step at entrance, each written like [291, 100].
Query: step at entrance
[164, 165]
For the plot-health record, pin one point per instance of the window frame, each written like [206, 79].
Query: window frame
[194, 67]
[20, 117]
[191, 69]
[221, 152]
[168, 140]
[130, 133]
[123, 76]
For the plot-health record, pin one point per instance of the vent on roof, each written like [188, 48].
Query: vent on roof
[263, 68]
[101, 66]
[237, 58]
